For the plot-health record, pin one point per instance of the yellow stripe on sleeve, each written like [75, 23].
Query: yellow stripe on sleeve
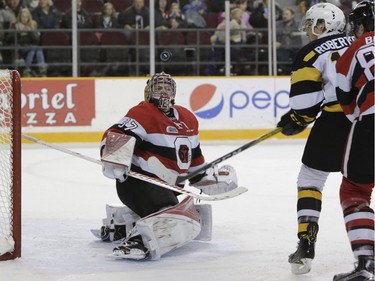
[306, 74]
[309, 56]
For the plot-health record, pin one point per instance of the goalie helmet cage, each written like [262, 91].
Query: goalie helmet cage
[10, 164]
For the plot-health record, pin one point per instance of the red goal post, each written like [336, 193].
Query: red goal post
[10, 164]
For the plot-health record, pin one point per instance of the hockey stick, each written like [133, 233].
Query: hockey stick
[173, 178]
[156, 181]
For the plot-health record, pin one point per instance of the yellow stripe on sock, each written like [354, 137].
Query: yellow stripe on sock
[310, 193]
[302, 227]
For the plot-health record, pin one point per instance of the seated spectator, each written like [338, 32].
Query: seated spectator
[83, 18]
[31, 4]
[28, 39]
[106, 20]
[46, 16]
[242, 4]
[219, 36]
[108, 17]
[10, 11]
[259, 16]
[161, 9]
[259, 20]
[288, 40]
[137, 16]
[175, 17]
[113, 57]
[194, 12]
[169, 15]
[237, 29]
[237, 40]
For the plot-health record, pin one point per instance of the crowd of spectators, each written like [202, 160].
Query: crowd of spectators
[248, 26]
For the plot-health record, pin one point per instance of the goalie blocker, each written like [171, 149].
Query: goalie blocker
[117, 156]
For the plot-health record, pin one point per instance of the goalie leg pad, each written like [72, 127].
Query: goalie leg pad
[170, 228]
[119, 221]
[205, 219]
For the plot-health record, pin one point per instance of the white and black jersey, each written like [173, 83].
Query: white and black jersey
[314, 74]
[313, 94]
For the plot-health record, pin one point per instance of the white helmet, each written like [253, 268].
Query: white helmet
[327, 13]
[161, 90]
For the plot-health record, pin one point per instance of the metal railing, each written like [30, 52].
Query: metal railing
[117, 52]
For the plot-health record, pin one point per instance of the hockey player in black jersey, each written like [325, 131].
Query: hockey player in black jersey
[313, 101]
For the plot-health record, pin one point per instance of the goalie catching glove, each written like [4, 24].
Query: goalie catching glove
[117, 155]
[292, 123]
[217, 180]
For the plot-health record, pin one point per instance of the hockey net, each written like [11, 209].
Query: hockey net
[10, 165]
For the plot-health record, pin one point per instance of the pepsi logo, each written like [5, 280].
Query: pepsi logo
[205, 102]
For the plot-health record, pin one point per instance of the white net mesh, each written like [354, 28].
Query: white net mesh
[6, 162]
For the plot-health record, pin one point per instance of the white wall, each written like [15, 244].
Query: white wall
[92, 105]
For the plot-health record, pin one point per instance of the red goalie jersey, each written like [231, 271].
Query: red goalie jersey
[355, 69]
[171, 137]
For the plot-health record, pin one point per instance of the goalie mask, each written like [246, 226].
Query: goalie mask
[323, 13]
[161, 90]
[363, 14]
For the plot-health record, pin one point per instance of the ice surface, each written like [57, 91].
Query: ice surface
[63, 197]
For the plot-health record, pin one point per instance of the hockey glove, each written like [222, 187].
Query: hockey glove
[218, 181]
[117, 155]
[115, 171]
[292, 123]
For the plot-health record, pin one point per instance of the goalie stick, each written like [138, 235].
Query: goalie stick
[233, 193]
[172, 178]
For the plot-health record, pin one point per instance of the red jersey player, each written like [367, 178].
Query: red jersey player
[156, 127]
[355, 92]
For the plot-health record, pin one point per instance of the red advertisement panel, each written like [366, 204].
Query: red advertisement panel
[52, 103]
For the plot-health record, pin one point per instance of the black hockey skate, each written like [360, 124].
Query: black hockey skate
[364, 271]
[301, 259]
[113, 232]
[133, 249]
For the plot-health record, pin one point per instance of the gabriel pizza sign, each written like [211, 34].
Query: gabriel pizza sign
[51, 103]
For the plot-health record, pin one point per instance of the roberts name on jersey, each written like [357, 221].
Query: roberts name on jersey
[334, 44]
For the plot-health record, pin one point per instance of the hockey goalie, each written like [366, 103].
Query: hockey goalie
[154, 221]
